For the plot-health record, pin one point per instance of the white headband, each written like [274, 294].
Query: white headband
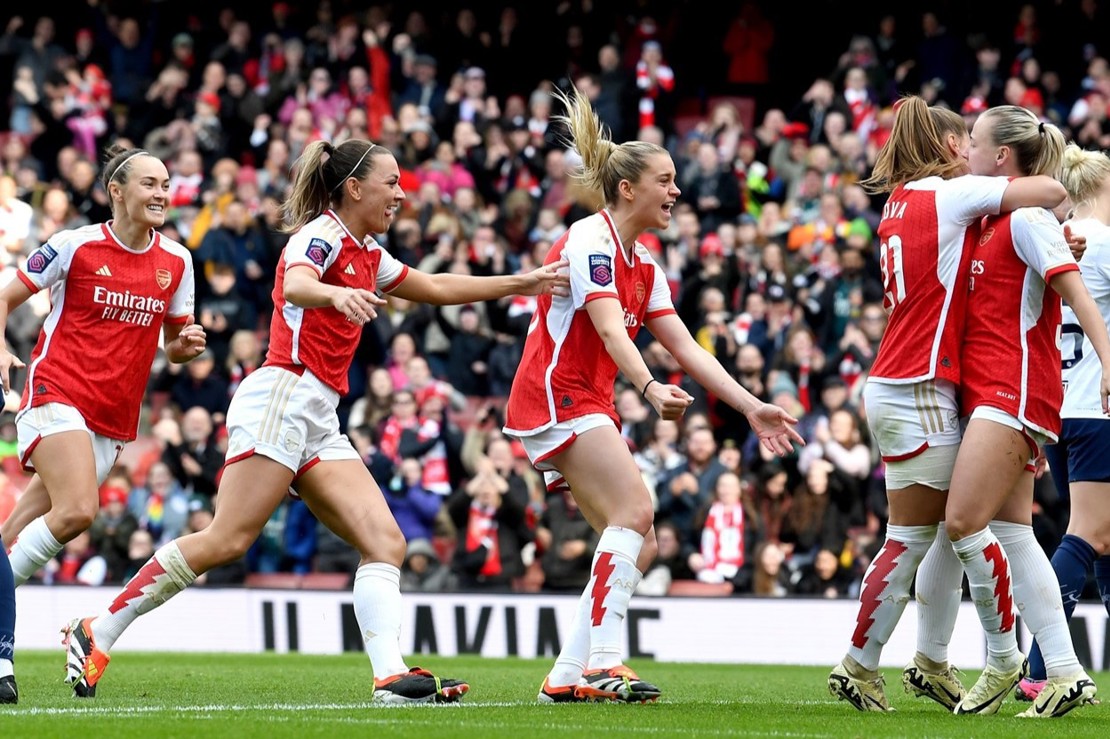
[125, 161]
[354, 168]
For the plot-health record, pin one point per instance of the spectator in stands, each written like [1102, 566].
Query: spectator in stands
[112, 528]
[423, 572]
[689, 486]
[492, 531]
[373, 408]
[723, 529]
[673, 562]
[192, 455]
[244, 356]
[770, 576]
[77, 564]
[140, 548]
[161, 505]
[567, 543]
[200, 385]
[825, 577]
[413, 506]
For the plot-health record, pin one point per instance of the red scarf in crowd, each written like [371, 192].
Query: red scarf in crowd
[481, 528]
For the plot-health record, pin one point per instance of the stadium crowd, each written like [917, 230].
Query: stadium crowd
[771, 258]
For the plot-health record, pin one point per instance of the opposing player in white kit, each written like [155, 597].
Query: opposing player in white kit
[1080, 459]
[114, 287]
[1011, 394]
[910, 394]
[561, 404]
[282, 422]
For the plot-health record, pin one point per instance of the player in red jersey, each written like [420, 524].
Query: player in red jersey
[1080, 460]
[1011, 392]
[282, 423]
[561, 405]
[116, 286]
[932, 211]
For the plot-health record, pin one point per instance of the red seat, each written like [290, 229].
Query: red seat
[696, 588]
[274, 580]
[326, 581]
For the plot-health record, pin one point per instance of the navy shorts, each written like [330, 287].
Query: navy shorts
[1083, 452]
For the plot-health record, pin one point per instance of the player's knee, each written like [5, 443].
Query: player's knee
[233, 546]
[386, 546]
[636, 516]
[71, 519]
[960, 525]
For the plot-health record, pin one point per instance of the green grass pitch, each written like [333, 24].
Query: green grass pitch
[154, 696]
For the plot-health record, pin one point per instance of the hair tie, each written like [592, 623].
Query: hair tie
[1040, 127]
[354, 168]
[125, 161]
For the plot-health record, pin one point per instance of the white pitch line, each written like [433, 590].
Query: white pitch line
[206, 711]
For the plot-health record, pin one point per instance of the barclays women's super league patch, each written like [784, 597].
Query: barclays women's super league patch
[41, 259]
[601, 269]
[318, 251]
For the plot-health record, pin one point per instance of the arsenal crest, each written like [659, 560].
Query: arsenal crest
[641, 291]
[163, 277]
[986, 236]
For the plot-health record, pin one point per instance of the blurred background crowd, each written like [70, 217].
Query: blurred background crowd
[772, 256]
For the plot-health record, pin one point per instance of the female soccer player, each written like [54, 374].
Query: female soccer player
[1080, 460]
[910, 394]
[561, 405]
[1012, 394]
[116, 284]
[282, 422]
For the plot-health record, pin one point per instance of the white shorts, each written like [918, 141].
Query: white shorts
[917, 429]
[1034, 438]
[286, 417]
[32, 424]
[554, 439]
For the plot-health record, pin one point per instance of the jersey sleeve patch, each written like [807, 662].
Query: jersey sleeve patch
[41, 259]
[601, 269]
[318, 251]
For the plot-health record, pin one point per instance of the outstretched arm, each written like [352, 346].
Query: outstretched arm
[773, 425]
[444, 288]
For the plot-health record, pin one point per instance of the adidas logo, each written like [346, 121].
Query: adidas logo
[350, 270]
[104, 271]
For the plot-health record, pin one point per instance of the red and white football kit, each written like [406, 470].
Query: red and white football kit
[564, 383]
[910, 394]
[1011, 358]
[97, 344]
[285, 410]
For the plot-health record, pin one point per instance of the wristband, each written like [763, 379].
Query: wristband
[646, 386]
